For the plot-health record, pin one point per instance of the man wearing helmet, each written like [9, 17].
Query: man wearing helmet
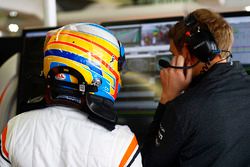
[78, 128]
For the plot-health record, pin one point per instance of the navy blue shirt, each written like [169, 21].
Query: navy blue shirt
[208, 125]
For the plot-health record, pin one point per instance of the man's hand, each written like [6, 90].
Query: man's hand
[174, 81]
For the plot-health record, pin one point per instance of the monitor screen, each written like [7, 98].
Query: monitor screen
[240, 22]
[31, 81]
[145, 42]
[8, 47]
[129, 35]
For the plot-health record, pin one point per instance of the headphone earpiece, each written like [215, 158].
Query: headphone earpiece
[200, 41]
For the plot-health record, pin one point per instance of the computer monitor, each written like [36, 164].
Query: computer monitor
[9, 46]
[146, 42]
[240, 22]
[31, 82]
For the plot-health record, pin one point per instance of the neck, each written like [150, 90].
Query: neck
[202, 67]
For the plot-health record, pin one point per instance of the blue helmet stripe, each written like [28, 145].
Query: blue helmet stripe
[74, 57]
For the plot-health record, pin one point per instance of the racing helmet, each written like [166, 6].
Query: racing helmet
[82, 64]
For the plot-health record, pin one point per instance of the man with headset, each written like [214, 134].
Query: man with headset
[82, 64]
[203, 117]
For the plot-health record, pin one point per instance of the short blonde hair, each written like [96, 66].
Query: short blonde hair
[216, 24]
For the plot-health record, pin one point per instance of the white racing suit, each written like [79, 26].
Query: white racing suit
[64, 137]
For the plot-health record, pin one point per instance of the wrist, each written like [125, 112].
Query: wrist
[164, 99]
[167, 97]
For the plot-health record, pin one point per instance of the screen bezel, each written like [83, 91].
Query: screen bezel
[235, 14]
[141, 21]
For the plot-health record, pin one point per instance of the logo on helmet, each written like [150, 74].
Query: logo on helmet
[60, 77]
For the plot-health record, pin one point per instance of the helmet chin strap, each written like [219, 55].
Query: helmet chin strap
[101, 111]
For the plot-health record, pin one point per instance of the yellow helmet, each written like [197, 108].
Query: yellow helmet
[83, 60]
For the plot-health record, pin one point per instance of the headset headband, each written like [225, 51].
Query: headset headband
[199, 39]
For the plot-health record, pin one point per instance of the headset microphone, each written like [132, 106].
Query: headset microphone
[165, 64]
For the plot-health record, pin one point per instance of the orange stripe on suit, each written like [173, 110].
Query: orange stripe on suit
[4, 134]
[129, 152]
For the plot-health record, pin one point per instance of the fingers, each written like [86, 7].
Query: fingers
[174, 80]
[189, 73]
[164, 76]
[173, 61]
[177, 61]
[180, 61]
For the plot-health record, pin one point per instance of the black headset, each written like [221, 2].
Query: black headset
[199, 39]
[200, 43]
